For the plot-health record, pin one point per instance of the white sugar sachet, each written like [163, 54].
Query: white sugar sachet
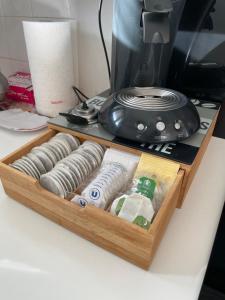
[127, 160]
[116, 171]
[104, 187]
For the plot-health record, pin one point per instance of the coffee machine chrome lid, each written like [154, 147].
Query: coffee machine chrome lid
[150, 99]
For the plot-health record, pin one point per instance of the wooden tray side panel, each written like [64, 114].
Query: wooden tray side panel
[112, 233]
[98, 226]
[165, 213]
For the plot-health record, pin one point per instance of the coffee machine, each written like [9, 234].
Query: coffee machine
[182, 46]
[164, 54]
[140, 107]
[149, 106]
[142, 41]
[197, 66]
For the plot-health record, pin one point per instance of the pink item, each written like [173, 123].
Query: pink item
[20, 88]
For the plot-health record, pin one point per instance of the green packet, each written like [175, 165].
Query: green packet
[135, 208]
[142, 222]
[145, 186]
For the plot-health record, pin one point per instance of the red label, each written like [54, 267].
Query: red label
[56, 102]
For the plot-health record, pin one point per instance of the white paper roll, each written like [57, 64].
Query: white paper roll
[50, 56]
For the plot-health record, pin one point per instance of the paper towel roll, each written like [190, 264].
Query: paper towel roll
[50, 56]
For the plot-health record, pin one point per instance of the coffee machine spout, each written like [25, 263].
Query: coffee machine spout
[142, 43]
[158, 5]
[155, 21]
[156, 27]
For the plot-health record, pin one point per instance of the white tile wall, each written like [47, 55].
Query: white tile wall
[15, 38]
[16, 8]
[4, 50]
[93, 75]
[92, 68]
[10, 66]
[1, 10]
[73, 11]
[50, 8]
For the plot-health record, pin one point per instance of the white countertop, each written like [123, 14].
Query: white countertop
[41, 260]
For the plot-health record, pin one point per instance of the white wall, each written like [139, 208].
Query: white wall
[92, 67]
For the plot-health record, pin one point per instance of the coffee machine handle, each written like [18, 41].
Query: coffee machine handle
[155, 20]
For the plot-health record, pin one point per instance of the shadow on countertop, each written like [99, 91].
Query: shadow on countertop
[219, 130]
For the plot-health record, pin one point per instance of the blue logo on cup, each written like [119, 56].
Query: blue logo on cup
[94, 194]
[83, 202]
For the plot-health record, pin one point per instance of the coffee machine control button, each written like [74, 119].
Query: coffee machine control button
[141, 127]
[177, 125]
[160, 126]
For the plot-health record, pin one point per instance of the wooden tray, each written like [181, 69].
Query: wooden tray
[126, 240]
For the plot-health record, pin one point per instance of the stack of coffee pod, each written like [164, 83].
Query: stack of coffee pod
[110, 180]
[73, 170]
[43, 158]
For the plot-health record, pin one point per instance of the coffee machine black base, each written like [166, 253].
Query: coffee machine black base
[149, 115]
[184, 151]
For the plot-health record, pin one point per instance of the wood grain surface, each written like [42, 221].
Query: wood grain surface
[96, 225]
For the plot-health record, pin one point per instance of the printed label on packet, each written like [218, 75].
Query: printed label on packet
[142, 222]
[120, 204]
[94, 194]
[146, 187]
[80, 200]
[83, 200]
